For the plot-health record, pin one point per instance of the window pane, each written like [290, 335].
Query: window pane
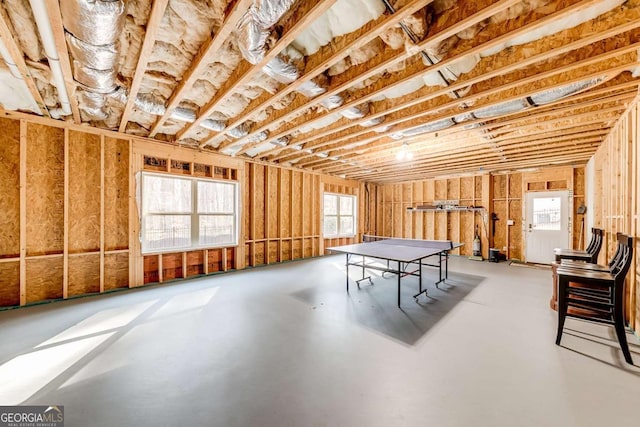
[330, 225]
[346, 205]
[166, 231]
[216, 197]
[166, 195]
[346, 225]
[546, 213]
[330, 204]
[216, 229]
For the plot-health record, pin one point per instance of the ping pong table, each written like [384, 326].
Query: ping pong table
[409, 256]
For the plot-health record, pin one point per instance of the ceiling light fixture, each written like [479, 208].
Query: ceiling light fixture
[404, 153]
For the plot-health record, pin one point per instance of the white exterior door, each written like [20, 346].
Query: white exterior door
[547, 224]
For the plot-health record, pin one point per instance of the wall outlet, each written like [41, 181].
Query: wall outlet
[504, 249]
[510, 222]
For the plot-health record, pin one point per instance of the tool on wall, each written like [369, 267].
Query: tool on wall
[494, 218]
[582, 209]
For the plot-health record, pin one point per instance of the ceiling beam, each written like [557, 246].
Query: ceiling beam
[520, 87]
[157, 12]
[247, 71]
[398, 79]
[55, 18]
[476, 10]
[575, 122]
[6, 33]
[623, 91]
[201, 60]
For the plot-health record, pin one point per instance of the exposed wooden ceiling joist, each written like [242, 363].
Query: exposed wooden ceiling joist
[400, 78]
[201, 60]
[157, 12]
[246, 71]
[55, 18]
[475, 12]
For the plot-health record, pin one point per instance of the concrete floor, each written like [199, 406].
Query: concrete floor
[286, 346]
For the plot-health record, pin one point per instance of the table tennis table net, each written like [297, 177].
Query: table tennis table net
[435, 244]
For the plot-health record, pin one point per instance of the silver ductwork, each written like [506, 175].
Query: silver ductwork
[93, 28]
[255, 26]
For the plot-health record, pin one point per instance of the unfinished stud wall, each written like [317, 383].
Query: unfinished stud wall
[617, 198]
[55, 194]
[393, 217]
[282, 215]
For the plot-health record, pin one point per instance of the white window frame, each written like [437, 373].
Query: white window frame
[194, 214]
[337, 216]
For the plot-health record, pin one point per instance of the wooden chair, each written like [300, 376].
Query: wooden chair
[597, 296]
[589, 255]
[582, 265]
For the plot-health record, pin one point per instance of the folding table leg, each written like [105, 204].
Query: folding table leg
[399, 278]
[347, 264]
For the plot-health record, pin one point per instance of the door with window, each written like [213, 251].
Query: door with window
[547, 224]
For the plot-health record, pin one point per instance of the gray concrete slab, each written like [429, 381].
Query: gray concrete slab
[286, 346]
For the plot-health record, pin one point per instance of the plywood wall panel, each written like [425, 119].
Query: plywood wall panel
[9, 189]
[44, 279]
[84, 275]
[296, 211]
[515, 231]
[116, 194]
[116, 271]
[500, 231]
[284, 224]
[84, 192]
[45, 189]
[259, 197]
[9, 284]
[274, 205]
[195, 263]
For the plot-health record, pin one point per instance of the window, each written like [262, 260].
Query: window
[180, 213]
[546, 213]
[339, 215]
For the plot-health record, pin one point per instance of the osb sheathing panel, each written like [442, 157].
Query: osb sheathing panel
[286, 249]
[440, 189]
[271, 192]
[116, 194]
[9, 284]
[10, 188]
[151, 273]
[499, 186]
[499, 236]
[441, 226]
[45, 189]
[515, 186]
[171, 266]
[307, 248]
[260, 253]
[195, 263]
[478, 192]
[116, 271]
[578, 182]
[466, 232]
[273, 252]
[84, 274]
[466, 189]
[230, 258]
[215, 260]
[296, 209]
[282, 224]
[307, 197]
[44, 279]
[84, 192]
[453, 189]
[246, 206]
[297, 248]
[259, 197]
[515, 230]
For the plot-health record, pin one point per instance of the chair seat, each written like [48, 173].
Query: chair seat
[570, 252]
[572, 263]
[575, 274]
